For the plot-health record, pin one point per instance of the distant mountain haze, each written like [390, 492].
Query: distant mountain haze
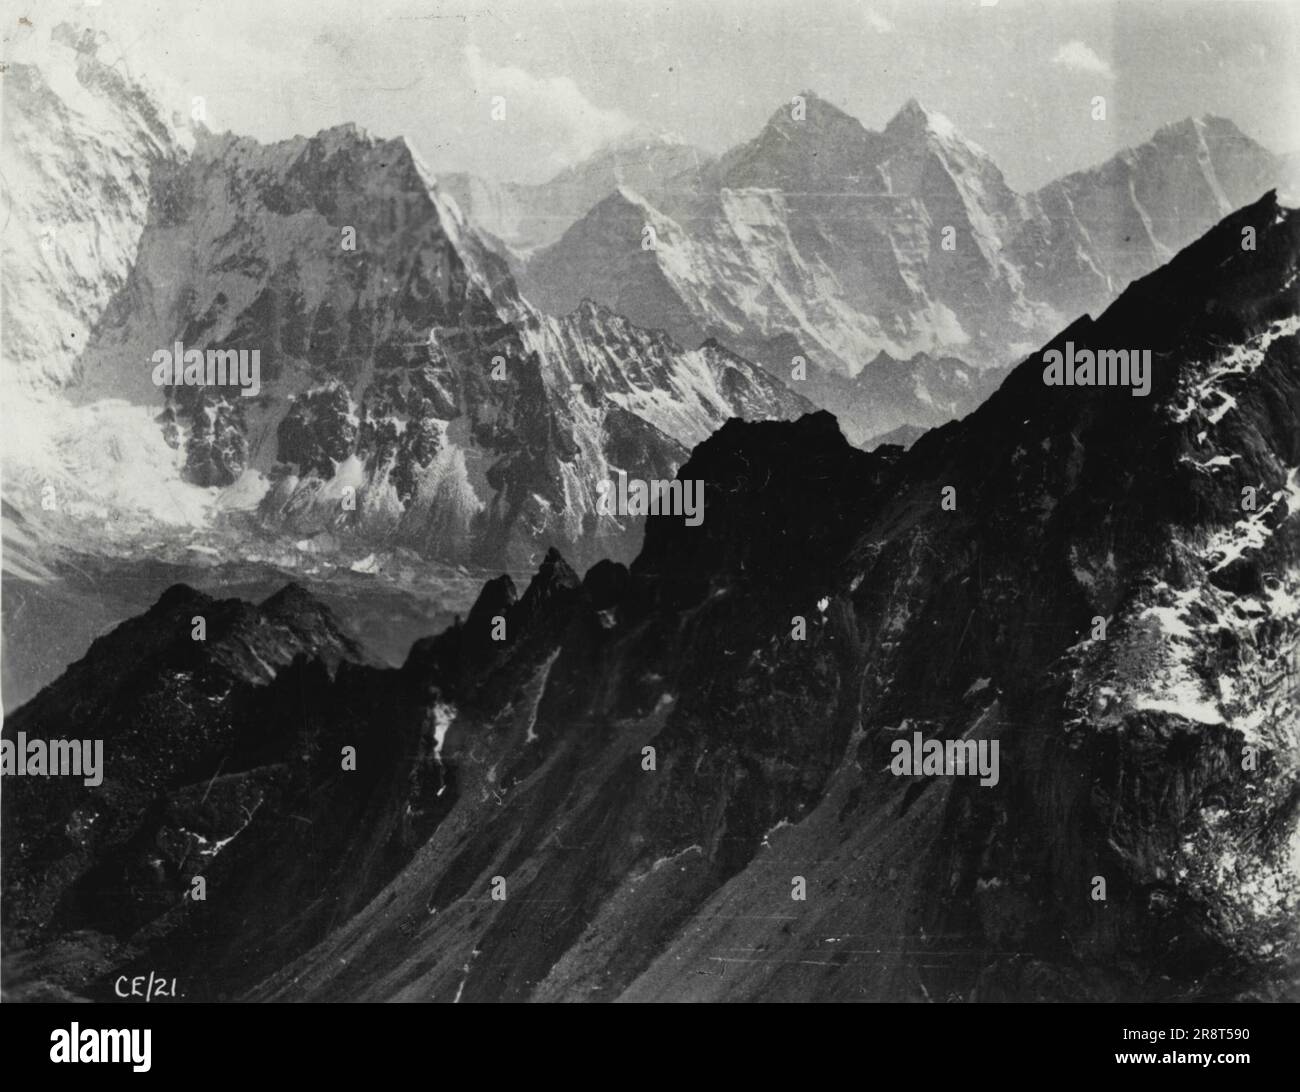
[824, 240]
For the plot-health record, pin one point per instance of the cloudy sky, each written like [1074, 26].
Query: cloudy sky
[1018, 78]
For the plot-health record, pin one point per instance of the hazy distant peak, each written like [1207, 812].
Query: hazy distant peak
[643, 136]
[809, 113]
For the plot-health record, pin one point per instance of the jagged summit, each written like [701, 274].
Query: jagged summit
[640, 751]
[553, 577]
[1213, 293]
[914, 241]
[911, 115]
[913, 119]
[823, 120]
[398, 358]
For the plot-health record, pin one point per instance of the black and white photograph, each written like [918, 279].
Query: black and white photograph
[646, 501]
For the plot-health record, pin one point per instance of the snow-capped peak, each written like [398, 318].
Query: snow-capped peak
[914, 120]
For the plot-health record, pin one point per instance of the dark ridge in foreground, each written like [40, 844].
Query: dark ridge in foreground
[609, 788]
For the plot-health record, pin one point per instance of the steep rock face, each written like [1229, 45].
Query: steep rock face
[1092, 232]
[194, 750]
[824, 240]
[355, 345]
[817, 233]
[408, 396]
[1084, 504]
[812, 233]
[81, 140]
[1121, 758]
[642, 766]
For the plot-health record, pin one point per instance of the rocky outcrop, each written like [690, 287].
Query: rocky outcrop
[1123, 757]
[640, 772]
[106, 870]
[824, 241]
[407, 396]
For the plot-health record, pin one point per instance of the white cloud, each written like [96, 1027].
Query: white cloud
[1080, 58]
[552, 109]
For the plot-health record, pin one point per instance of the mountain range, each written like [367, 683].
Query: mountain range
[674, 780]
[409, 397]
[454, 368]
[381, 424]
[822, 240]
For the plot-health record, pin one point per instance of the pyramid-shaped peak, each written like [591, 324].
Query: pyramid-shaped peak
[914, 119]
[807, 109]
